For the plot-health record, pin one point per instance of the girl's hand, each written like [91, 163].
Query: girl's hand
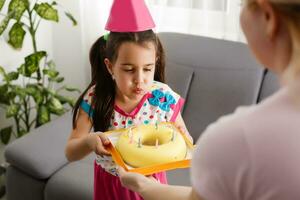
[97, 142]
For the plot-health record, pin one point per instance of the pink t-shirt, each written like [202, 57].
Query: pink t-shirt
[252, 154]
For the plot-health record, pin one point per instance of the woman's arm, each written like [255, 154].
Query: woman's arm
[151, 189]
[81, 142]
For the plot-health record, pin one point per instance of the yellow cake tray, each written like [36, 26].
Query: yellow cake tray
[148, 170]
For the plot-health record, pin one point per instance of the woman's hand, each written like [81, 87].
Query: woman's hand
[134, 181]
[97, 142]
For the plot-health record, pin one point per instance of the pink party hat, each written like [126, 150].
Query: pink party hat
[129, 16]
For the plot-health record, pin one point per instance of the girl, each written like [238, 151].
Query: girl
[254, 153]
[127, 80]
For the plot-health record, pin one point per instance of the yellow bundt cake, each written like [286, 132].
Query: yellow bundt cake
[147, 145]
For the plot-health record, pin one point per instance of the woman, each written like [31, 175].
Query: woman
[254, 152]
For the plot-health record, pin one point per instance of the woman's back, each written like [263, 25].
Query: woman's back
[253, 153]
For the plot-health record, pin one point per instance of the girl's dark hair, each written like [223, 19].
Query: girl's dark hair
[104, 94]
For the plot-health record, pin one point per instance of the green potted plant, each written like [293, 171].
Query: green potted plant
[34, 92]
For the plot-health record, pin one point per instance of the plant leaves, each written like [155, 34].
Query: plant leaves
[70, 16]
[19, 91]
[11, 76]
[32, 63]
[64, 100]
[23, 71]
[35, 92]
[11, 94]
[61, 98]
[55, 106]
[71, 102]
[12, 110]
[16, 35]
[48, 91]
[46, 11]
[1, 4]
[72, 89]
[18, 7]
[51, 64]
[58, 79]
[30, 89]
[2, 71]
[21, 133]
[3, 95]
[38, 97]
[51, 73]
[43, 115]
[4, 24]
[5, 134]
[3, 89]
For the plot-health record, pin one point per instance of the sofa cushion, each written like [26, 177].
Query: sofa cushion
[225, 75]
[21, 186]
[74, 181]
[35, 153]
[216, 92]
[179, 77]
[179, 177]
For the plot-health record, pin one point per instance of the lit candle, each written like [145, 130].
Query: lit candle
[173, 135]
[129, 133]
[131, 138]
[160, 117]
[139, 143]
[156, 143]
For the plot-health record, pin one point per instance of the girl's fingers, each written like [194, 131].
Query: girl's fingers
[121, 171]
[152, 178]
[104, 138]
[101, 141]
[101, 150]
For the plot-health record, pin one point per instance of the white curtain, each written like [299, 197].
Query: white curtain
[211, 18]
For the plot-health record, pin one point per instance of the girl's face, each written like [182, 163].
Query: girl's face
[133, 70]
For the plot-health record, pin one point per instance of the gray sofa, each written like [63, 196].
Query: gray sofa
[214, 76]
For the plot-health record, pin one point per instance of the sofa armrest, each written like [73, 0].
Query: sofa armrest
[41, 152]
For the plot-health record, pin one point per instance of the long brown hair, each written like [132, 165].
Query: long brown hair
[104, 94]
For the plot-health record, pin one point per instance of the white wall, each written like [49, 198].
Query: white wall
[68, 53]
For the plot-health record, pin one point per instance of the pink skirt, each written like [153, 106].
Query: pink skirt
[108, 187]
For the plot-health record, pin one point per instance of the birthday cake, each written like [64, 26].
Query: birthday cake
[148, 145]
